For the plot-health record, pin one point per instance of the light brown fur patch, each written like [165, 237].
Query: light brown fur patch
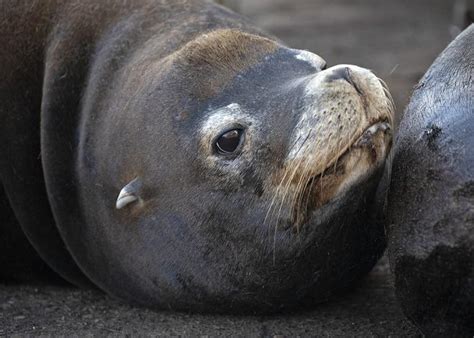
[215, 58]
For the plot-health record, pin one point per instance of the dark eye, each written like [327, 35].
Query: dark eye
[229, 141]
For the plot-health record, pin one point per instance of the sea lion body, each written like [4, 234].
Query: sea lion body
[175, 156]
[431, 233]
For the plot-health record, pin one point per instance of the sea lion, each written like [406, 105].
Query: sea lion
[431, 205]
[175, 156]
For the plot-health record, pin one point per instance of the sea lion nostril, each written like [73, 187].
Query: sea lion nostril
[344, 73]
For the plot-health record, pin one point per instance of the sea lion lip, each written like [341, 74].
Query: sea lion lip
[382, 125]
[358, 161]
[364, 140]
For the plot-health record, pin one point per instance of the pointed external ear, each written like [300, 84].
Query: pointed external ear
[129, 193]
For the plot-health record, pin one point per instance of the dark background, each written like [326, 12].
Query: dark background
[398, 39]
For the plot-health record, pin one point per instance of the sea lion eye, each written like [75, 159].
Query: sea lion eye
[229, 141]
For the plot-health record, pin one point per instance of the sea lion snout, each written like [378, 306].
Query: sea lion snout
[341, 73]
[339, 105]
[345, 73]
[343, 136]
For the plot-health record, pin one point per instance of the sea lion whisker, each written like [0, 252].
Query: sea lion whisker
[282, 180]
[286, 189]
[288, 183]
[388, 95]
[324, 169]
[390, 100]
[299, 192]
[337, 159]
[295, 198]
[300, 181]
[275, 195]
[297, 167]
[298, 207]
[279, 211]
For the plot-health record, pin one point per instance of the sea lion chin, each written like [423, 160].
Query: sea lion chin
[201, 165]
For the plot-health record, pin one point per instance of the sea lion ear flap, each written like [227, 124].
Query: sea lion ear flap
[129, 193]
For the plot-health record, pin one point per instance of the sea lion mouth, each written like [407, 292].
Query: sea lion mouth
[367, 153]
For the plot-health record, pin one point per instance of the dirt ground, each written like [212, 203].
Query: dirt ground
[29, 310]
[398, 39]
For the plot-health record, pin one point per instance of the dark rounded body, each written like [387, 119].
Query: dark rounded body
[108, 114]
[431, 199]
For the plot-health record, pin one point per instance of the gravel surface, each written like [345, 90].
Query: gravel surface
[371, 309]
[398, 40]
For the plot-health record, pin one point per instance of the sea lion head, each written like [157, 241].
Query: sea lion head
[234, 174]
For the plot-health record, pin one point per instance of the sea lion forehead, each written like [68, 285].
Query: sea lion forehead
[227, 49]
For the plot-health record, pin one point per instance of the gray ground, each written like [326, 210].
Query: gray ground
[398, 39]
[370, 310]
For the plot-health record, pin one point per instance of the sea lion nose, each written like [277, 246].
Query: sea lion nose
[340, 73]
[344, 73]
